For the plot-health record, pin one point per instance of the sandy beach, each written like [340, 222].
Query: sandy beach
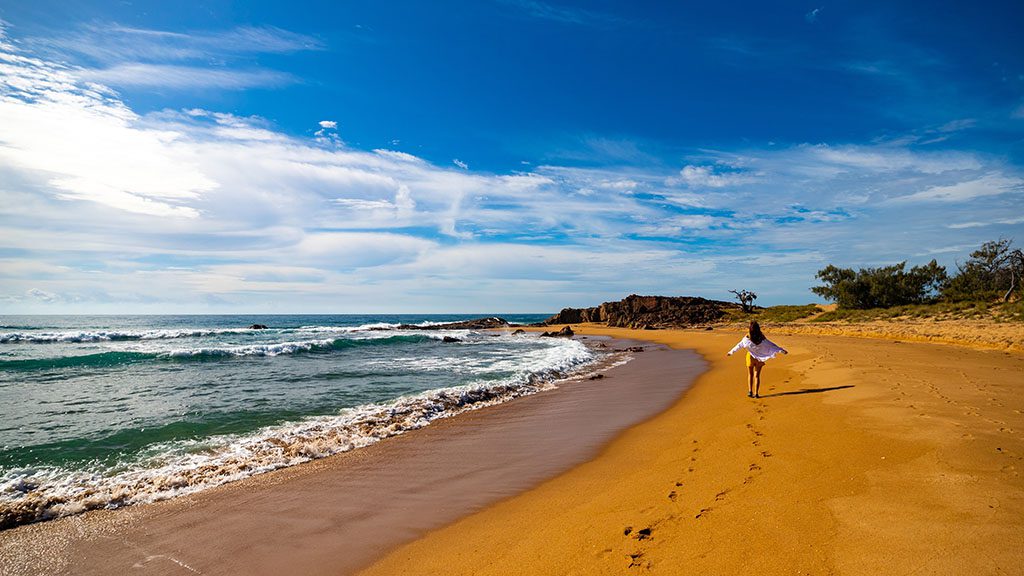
[863, 456]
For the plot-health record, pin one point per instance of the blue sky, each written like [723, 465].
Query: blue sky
[504, 155]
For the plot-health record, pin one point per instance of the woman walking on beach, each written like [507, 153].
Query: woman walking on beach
[759, 350]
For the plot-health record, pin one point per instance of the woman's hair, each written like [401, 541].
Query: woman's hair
[754, 332]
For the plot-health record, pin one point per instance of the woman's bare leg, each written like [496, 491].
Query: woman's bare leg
[750, 380]
[757, 379]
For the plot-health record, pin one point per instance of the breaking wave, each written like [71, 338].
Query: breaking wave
[111, 335]
[114, 358]
[30, 494]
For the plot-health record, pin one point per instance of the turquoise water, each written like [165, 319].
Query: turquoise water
[107, 411]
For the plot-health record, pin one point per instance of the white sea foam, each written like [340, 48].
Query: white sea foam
[184, 467]
[76, 336]
[274, 349]
[373, 326]
[105, 335]
[283, 348]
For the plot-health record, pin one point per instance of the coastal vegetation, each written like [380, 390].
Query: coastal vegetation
[785, 313]
[992, 272]
[962, 310]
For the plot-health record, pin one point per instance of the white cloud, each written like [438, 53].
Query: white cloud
[883, 159]
[122, 56]
[90, 148]
[328, 124]
[680, 225]
[707, 177]
[112, 42]
[987, 185]
[1006, 221]
[460, 164]
[42, 295]
[184, 77]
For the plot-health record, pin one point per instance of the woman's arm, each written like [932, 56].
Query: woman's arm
[742, 344]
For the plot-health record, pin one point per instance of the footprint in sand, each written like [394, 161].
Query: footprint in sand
[636, 560]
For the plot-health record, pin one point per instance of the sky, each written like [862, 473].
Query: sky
[495, 155]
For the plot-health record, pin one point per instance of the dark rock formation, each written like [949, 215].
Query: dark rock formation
[450, 339]
[563, 333]
[477, 324]
[648, 312]
[258, 327]
[518, 332]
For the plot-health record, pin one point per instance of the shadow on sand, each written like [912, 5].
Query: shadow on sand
[806, 391]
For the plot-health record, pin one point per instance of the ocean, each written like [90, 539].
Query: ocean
[108, 411]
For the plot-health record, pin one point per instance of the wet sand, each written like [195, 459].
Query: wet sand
[335, 515]
[863, 456]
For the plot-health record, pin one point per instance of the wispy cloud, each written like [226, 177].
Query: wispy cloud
[185, 77]
[987, 185]
[564, 14]
[122, 56]
[111, 43]
[1006, 221]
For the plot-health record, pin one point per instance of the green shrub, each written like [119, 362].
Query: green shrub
[881, 287]
[992, 271]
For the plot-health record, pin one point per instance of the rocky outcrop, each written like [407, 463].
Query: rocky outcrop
[563, 333]
[648, 312]
[476, 324]
[258, 327]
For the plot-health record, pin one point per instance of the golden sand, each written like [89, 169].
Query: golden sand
[864, 456]
[981, 334]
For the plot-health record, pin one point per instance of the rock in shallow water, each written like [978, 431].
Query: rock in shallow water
[563, 333]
